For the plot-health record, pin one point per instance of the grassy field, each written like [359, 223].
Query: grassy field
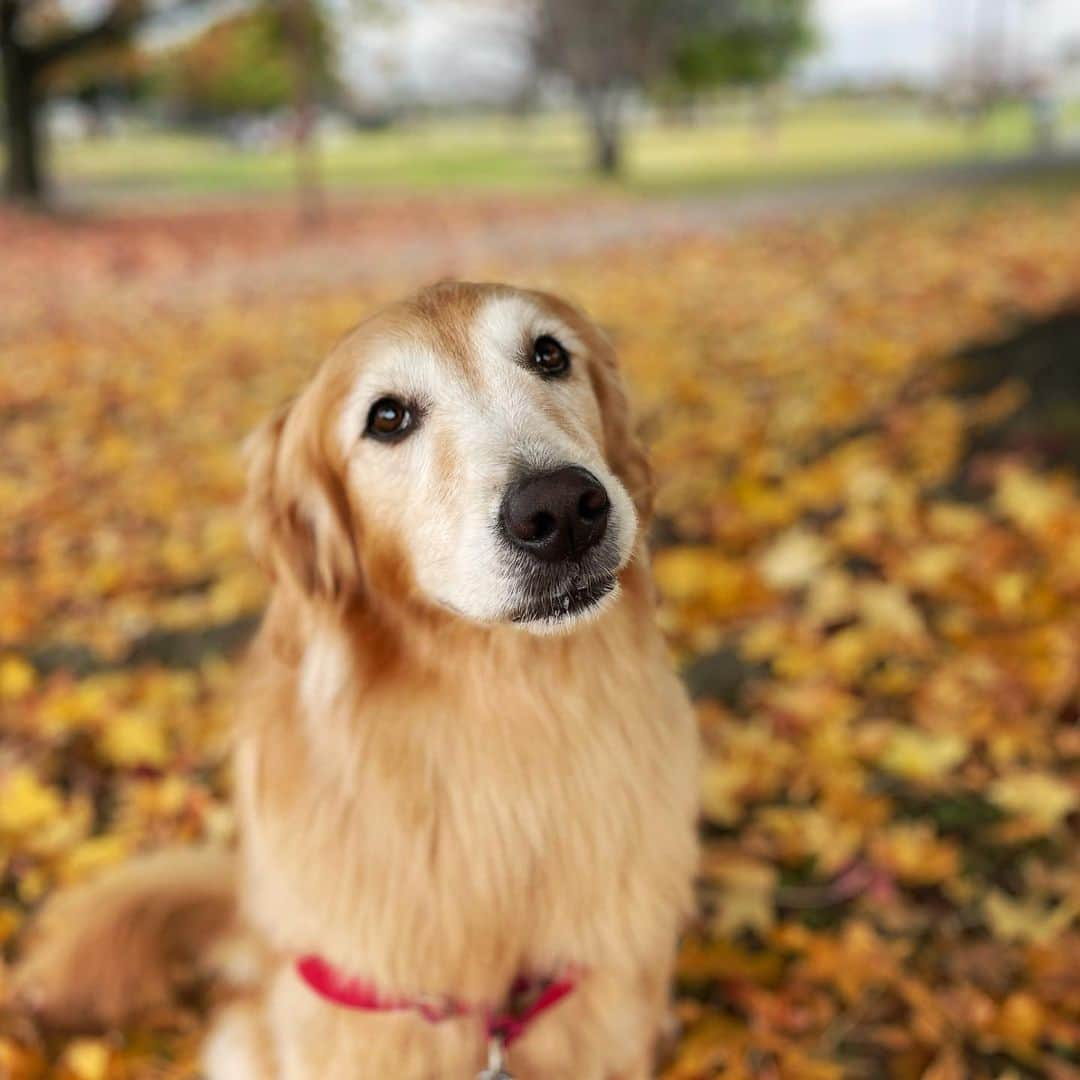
[548, 152]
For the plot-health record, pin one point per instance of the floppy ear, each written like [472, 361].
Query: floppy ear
[623, 448]
[298, 520]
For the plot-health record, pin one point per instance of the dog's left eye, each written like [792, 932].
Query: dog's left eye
[550, 356]
[389, 419]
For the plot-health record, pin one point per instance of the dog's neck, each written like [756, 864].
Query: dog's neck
[370, 667]
[382, 639]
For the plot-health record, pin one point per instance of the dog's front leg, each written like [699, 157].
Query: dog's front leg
[607, 1029]
[238, 1046]
[644, 1071]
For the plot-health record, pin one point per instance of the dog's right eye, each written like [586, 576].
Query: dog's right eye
[550, 357]
[389, 419]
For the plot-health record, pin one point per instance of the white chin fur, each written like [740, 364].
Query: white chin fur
[565, 624]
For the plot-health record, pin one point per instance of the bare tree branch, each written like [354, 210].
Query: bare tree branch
[114, 29]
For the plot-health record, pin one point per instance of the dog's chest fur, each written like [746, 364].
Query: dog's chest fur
[533, 811]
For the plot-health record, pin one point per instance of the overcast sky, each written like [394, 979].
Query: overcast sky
[446, 51]
[865, 38]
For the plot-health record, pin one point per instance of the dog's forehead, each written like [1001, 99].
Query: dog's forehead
[464, 328]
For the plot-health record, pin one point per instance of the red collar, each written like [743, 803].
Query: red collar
[528, 998]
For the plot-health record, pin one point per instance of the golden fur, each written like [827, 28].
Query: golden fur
[431, 803]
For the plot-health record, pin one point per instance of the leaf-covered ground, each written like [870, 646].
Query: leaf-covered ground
[875, 597]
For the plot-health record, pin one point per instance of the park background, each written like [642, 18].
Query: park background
[838, 246]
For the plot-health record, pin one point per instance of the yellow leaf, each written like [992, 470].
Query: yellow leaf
[698, 575]
[1032, 501]
[706, 1048]
[94, 856]
[1027, 920]
[922, 755]
[845, 654]
[854, 960]
[1039, 798]
[720, 787]
[133, 739]
[70, 707]
[931, 565]
[954, 521]
[17, 677]
[699, 960]
[10, 921]
[798, 832]
[88, 1059]
[747, 890]
[1021, 1021]
[948, 1065]
[914, 854]
[793, 560]
[32, 885]
[18, 1061]
[1009, 591]
[26, 803]
[887, 606]
[105, 575]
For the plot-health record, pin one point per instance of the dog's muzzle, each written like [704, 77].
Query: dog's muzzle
[557, 524]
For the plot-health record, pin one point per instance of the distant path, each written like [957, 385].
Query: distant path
[186, 257]
[588, 226]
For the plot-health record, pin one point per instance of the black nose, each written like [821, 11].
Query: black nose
[557, 515]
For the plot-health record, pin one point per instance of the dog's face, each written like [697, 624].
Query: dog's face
[475, 439]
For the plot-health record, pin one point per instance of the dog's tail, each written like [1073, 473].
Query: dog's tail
[124, 944]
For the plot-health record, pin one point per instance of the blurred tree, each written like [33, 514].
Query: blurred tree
[754, 44]
[246, 62]
[607, 47]
[37, 37]
[272, 56]
[116, 72]
[989, 60]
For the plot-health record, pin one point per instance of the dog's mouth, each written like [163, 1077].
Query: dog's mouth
[568, 602]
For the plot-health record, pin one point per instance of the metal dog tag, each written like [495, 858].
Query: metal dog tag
[495, 1069]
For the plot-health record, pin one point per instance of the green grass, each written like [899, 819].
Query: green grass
[545, 153]
[819, 141]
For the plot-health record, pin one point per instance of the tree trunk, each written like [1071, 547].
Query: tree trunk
[604, 110]
[24, 180]
[1045, 115]
[309, 187]
[767, 112]
[607, 152]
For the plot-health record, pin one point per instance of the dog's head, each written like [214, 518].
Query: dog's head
[468, 449]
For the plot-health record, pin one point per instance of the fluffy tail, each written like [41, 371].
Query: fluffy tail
[122, 945]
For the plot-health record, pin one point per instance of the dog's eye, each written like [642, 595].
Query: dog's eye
[389, 419]
[550, 356]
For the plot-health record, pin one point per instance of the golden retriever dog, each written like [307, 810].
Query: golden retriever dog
[465, 770]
